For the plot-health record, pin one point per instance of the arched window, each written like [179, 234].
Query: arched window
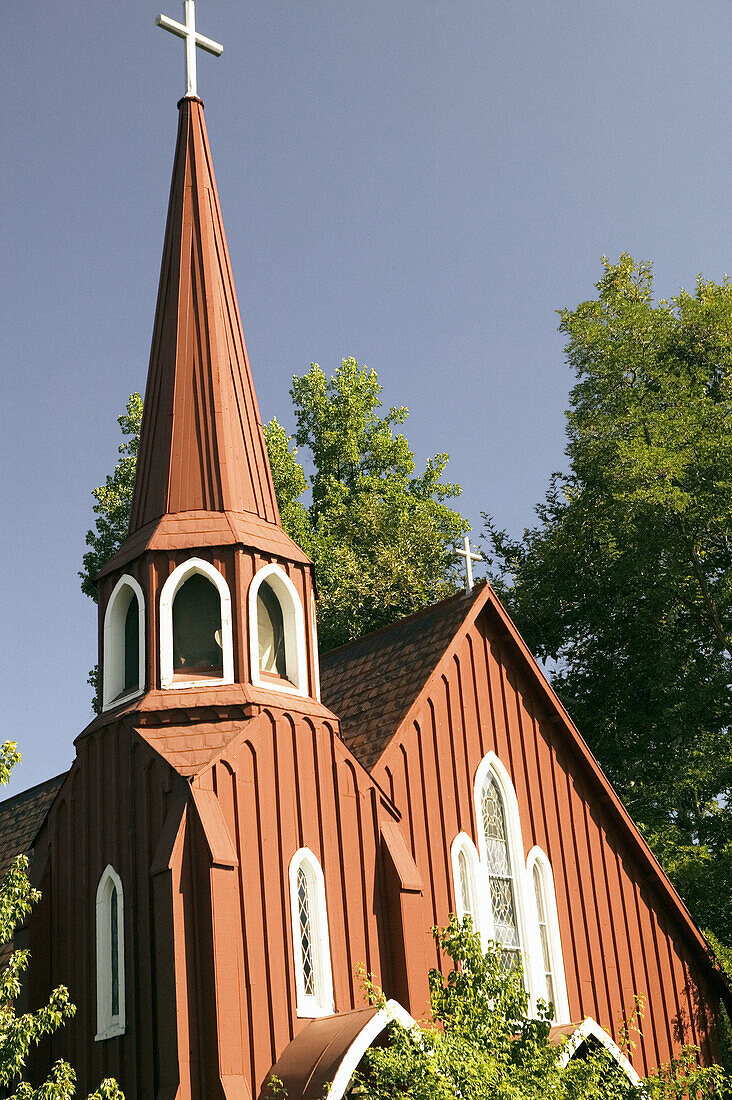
[501, 851]
[270, 634]
[501, 879]
[110, 956]
[195, 627]
[466, 876]
[124, 643]
[310, 939]
[197, 646]
[276, 632]
[549, 961]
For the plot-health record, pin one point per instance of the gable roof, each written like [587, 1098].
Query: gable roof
[371, 683]
[370, 686]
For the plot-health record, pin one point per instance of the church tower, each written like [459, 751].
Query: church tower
[208, 866]
[208, 603]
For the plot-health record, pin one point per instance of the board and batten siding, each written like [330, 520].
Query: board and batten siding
[618, 937]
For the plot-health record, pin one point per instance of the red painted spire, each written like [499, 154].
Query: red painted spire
[201, 447]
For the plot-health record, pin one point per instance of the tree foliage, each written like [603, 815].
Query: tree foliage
[113, 500]
[625, 581]
[380, 533]
[479, 1043]
[19, 1033]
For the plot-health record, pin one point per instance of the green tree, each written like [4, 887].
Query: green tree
[113, 500]
[380, 533]
[19, 1033]
[479, 1043]
[624, 584]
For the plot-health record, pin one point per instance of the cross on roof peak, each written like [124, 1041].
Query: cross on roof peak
[187, 31]
[469, 559]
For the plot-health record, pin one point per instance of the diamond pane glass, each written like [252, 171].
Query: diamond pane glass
[500, 873]
[306, 932]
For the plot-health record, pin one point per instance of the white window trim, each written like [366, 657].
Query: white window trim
[316, 656]
[294, 626]
[589, 1029]
[537, 857]
[109, 1026]
[308, 1006]
[490, 765]
[351, 1060]
[167, 597]
[463, 843]
[114, 644]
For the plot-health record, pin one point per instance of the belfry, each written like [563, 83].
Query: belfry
[230, 845]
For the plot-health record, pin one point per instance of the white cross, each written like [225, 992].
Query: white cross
[187, 31]
[469, 559]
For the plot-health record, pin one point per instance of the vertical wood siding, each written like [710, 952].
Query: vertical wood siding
[615, 942]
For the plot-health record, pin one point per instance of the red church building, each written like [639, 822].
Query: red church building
[245, 824]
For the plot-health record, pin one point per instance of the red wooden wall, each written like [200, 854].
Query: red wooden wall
[616, 940]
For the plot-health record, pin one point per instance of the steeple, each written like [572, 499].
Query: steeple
[208, 599]
[202, 447]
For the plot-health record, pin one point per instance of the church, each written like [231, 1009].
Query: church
[246, 823]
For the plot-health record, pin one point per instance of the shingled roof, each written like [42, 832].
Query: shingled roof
[22, 816]
[20, 819]
[372, 682]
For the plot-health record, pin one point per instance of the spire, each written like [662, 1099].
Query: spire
[201, 447]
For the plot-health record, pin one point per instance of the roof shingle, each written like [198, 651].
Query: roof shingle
[371, 683]
[22, 816]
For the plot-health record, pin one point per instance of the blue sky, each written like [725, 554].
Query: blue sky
[418, 183]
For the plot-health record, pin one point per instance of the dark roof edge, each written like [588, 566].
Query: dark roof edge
[407, 618]
[21, 796]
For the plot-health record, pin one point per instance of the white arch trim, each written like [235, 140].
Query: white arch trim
[167, 595]
[322, 1004]
[316, 657]
[114, 643]
[589, 1029]
[463, 843]
[392, 1010]
[294, 624]
[108, 1024]
[490, 765]
[538, 858]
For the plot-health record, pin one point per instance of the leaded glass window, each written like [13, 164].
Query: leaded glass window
[541, 911]
[110, 955]
[311, 947]
[500, 873]
[114, 950]
[307, 944]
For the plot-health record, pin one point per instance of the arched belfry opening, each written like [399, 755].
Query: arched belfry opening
[124, 643]
[277, 632]
[196, 647]
[197, 641]
[270, 634]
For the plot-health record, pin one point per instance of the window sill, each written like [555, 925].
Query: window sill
[203, 685]
[309, 1009]
[285, 686]
[120, 700]
[112, 1032]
